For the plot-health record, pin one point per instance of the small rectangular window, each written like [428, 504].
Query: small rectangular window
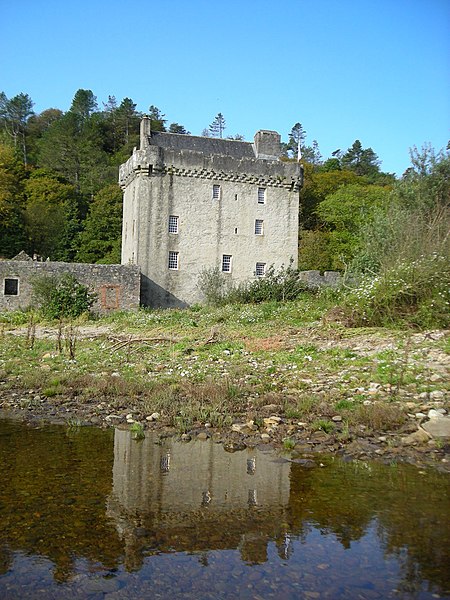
[260, 270]
[173, 224]
[173, 260]
[11, 287]
[226, 263]
[261, 195]
[259, 227]
[216, 192]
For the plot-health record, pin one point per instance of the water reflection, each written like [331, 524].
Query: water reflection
[80, 504]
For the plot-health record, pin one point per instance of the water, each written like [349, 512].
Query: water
[87, 513]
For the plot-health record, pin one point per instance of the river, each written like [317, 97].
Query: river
[90, 513]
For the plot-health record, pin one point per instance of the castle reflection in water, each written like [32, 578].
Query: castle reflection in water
[195, 497]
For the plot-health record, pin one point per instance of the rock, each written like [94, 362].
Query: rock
[336, 418]
[269, 407]
[418, 437]
[382, 438]
[438, 427]
[265, 437]
[202, 435]
[272, 420]
[435, 414]
[234, 446]
[153, 417]
[185, 437]
[110, 417]
[130, 421]
[437, 395]
[367, 402]
[420, 415]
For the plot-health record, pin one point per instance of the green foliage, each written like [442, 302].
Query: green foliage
[218, 126]
[62, 297]
[137, 431]
[100, 240]
[315, 251]
[282, 285]
[12, 227]
[414, 292]
[214, 285]
[51, 216]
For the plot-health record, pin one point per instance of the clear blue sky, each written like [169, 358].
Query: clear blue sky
[373, 70]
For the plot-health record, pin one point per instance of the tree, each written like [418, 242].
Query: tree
[14, 114]
[37, 125]
[157, 121]
[297, 137]
[361, 161]
[12, 228]
[100, 240]
[84, 103]
[176, 128]
[51, 216]
[218, 126]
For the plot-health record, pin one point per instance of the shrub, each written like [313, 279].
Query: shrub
[62, 297]
[416, 292]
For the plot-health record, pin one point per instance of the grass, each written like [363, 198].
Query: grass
[226, 363]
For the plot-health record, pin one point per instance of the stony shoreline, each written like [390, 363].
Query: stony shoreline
[411, 444]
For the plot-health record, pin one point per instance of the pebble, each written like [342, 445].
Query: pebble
[153, 417]
[435, 414]
[202, 435]
[336, 418]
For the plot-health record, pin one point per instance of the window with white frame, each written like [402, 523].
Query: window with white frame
[261, 195]
[173, 224]
[259, 227]
[226, 263]
[260, 269]
[216, 192]
[173, 260]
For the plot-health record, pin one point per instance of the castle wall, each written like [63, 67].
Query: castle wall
[117, 286]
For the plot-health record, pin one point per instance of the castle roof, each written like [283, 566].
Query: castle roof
[206, 145]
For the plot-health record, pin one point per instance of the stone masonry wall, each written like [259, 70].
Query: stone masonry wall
[117, 286]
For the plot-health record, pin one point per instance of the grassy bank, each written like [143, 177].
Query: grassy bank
[232, 364]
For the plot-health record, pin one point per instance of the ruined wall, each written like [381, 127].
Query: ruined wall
[117, 286]
[162, 182]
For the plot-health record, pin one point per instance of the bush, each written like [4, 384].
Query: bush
[282, 285]
[62, 297]
[414, 292]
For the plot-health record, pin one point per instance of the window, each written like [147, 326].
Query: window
[260, 270]
[261, 195]
[216, 192]
[173, 260]
[226, 263]
[259, 227]
[11, 287]
[173, 224]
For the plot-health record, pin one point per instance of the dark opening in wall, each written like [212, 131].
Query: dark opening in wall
[11, 287]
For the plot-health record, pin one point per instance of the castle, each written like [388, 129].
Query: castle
[197, 203]
[191, 204]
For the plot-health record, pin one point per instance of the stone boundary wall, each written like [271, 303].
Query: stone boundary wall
[315, 279]
[117, 286]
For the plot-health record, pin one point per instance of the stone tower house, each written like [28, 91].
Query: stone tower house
[194, 203]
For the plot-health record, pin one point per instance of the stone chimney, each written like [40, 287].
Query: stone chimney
[145, 132]
[267, 145]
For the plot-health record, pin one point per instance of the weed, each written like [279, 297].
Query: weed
[288, 444]
[323, 425]
[137, 431]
